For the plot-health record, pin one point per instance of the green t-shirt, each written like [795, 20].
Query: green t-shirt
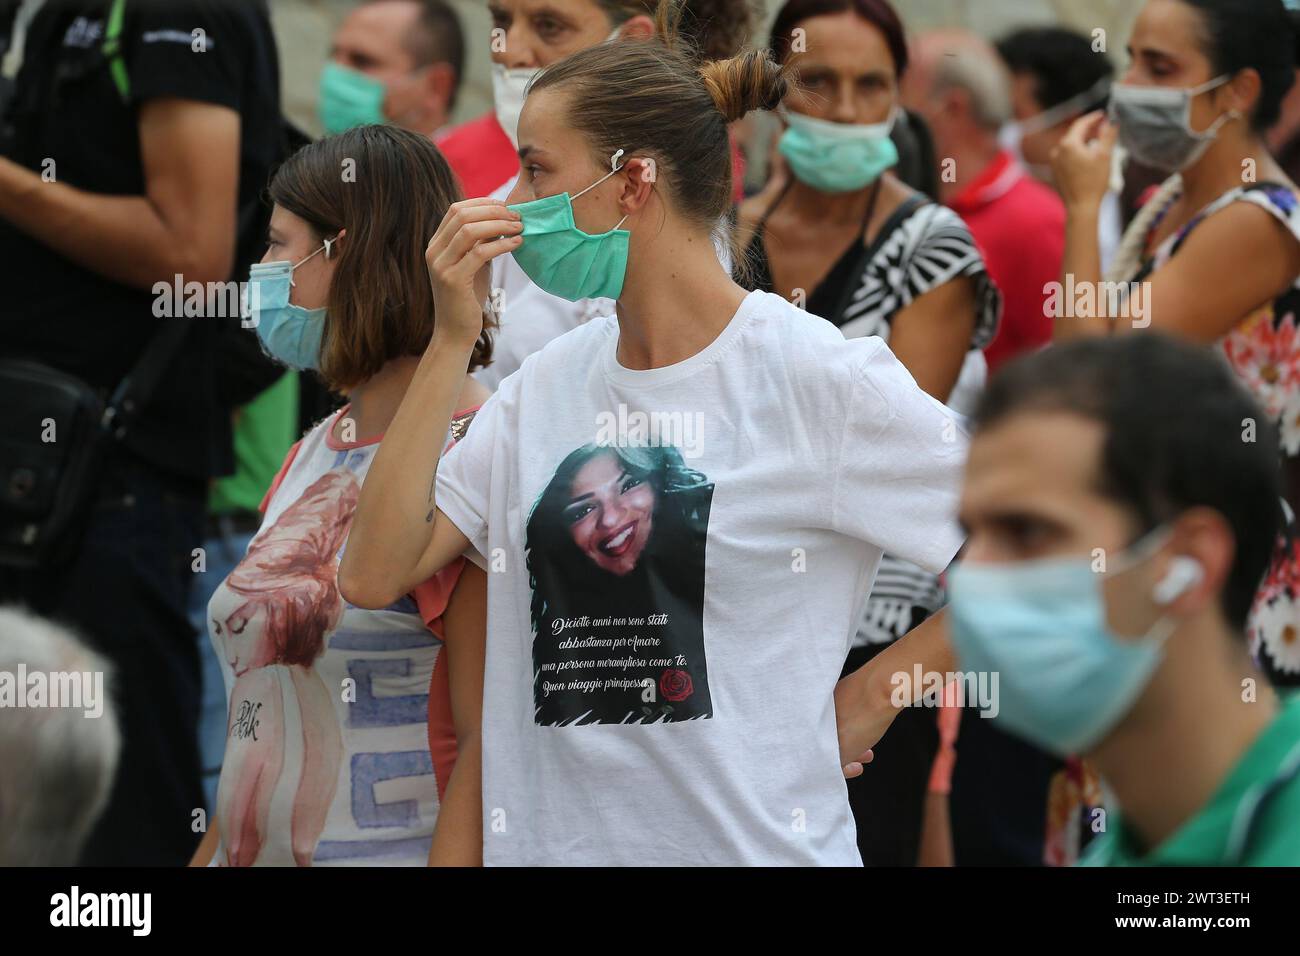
[1253, 819]
[264, 432]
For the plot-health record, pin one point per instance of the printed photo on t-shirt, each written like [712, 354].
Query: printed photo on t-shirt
[615, 551]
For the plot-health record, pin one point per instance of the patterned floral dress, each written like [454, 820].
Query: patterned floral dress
[1264, 350]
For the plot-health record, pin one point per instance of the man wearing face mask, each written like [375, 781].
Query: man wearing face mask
[960, 87]
[1118, 527]
[1056, 77]
[393, 61]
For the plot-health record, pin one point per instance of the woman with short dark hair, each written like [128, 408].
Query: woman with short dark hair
[327, 699]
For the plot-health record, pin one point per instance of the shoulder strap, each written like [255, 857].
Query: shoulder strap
[113, 49]
[896, 219]
[134, 391]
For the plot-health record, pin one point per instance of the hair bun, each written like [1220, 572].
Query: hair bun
[752, 80]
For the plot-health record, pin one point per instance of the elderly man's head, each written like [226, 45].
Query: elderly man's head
[59, 742]
[958, 84]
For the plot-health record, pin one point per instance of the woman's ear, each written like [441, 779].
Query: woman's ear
[331, 244]
[1244, 90]
[639, 177]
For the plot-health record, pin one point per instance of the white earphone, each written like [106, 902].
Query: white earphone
[1184, 574]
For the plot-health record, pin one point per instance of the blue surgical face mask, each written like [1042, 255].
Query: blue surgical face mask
[1064, 679]
[837, 157]
[562, 259]
[289, 333]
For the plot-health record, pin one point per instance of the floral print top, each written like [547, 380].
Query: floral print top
[1264, 350]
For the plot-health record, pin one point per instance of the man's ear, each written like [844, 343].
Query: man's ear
[439, 81]
[640, 27]
[1202, 535]
[957, 103]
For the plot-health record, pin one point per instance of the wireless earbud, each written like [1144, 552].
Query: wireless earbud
[1184, 574]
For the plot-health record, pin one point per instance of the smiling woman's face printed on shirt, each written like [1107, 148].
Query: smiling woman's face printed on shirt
[610, 513]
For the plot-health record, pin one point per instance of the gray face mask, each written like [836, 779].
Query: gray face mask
[1155, 124]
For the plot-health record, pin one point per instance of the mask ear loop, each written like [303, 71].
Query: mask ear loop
[327, 248]
[614, 168]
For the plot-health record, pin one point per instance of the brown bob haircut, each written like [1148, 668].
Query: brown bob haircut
[389, 188]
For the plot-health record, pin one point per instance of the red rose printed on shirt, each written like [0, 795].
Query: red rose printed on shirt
[676, 685]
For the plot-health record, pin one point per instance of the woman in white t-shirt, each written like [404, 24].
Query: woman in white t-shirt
[527, 317]
[343, 722]
[677, 703]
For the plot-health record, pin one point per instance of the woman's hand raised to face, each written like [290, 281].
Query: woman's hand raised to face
[472, 234]
[1081, 161]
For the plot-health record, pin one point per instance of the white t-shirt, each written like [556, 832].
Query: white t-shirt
[696, 592]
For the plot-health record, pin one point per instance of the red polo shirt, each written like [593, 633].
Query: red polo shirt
[480, 154]
[1019, 226]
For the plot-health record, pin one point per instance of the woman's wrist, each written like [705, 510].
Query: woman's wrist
[450, 342]
[1083, 208]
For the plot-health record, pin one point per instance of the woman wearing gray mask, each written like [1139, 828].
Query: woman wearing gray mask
[1214, 256]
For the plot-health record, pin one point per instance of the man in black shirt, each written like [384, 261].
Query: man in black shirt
[122, 171]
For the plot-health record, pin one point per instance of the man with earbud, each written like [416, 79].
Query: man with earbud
[1122, 503]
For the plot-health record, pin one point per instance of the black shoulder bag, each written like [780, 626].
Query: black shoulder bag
[56, 430]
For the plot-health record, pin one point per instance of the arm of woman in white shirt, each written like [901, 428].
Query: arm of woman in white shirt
[399, 537]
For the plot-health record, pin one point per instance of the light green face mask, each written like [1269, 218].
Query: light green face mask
[348, 99]
[837, 157]
[562, 259]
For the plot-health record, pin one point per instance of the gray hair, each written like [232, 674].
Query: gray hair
[980, 75]
[59, 761]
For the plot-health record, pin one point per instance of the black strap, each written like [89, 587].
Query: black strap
[762, 224]
[896, 219]
[135, 390]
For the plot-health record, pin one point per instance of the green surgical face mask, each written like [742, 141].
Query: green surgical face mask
[562, 259]
[348, 99]
[837, 157]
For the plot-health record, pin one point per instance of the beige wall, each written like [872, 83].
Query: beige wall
[303, 29]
